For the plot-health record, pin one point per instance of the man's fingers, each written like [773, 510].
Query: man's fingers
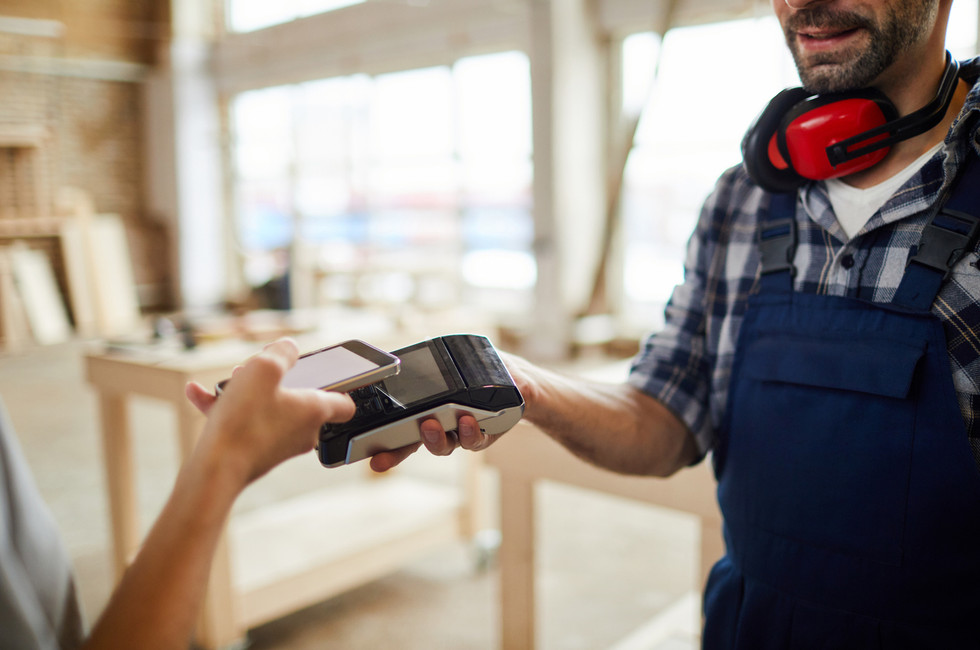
[436, 439]
[385, 460]
[471, 437]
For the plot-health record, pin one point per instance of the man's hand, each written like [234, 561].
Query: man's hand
[467, 435]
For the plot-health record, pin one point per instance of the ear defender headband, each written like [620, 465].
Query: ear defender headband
[801, 137]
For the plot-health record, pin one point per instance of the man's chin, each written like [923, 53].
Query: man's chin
[831, 76]
[832, 71]
[825, 80]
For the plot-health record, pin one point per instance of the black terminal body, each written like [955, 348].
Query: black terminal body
[440, 378]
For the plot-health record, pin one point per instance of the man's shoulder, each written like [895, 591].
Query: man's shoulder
[737, 196]
[970, 72]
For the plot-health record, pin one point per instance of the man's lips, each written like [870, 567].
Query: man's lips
[824, 39]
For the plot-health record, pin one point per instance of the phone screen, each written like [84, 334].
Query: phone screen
[326, 368]
[342, 367]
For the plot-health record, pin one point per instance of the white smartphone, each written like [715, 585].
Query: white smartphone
[340, 368]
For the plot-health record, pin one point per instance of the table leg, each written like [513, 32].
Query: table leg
[712, 547]
[517, 568]
[218, 626]
[117, 447]
[473, 513]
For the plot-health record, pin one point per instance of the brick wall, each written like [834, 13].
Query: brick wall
[93, 124]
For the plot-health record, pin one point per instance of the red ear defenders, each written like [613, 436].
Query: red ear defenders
[801, 137]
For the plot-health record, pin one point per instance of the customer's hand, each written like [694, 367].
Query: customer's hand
[257, 424]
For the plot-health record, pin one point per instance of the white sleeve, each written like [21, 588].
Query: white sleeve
[38, 604]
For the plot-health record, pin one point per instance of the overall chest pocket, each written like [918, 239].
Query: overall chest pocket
[819, 442]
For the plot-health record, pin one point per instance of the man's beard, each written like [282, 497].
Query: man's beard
[905, 24]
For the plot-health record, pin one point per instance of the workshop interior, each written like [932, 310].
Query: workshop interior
[185, 181]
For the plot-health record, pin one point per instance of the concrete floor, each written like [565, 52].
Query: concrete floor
[612, 574]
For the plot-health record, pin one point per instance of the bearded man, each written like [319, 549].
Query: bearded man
[823, 348]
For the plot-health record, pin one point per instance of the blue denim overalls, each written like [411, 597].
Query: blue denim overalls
[850, 495]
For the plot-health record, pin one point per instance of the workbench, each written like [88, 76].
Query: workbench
[526, 457]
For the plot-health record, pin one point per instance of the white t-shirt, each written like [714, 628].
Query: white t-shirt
[854, 206]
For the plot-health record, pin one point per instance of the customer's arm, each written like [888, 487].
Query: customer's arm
[253, 427]
[611, 425]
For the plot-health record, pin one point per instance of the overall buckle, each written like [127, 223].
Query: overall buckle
[949, 236]
[777, 246]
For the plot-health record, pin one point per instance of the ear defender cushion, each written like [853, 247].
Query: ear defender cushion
[760, 153]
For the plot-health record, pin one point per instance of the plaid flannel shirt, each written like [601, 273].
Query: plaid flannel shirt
[687, 364]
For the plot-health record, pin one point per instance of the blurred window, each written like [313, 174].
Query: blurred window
[421, 173]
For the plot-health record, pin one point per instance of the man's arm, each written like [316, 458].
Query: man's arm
[614, 426]
[253, 427]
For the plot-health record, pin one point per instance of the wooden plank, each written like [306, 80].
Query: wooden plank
[525, 456]
[476, 516]
[111, 274]
[517, 566]
[129, 377]
[220, 624]
[22, 135]
[321, 544]
[39, 293]
[29, 228]
[526, 451]
[679, 622]
[712, 547]
[80, 288]
[120, 467]
[162, 374]
[13, 320]
[331, 578]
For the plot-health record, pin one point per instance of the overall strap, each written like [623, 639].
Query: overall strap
[777, 245]
[950, 234]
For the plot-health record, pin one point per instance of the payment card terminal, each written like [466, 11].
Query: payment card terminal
[441, 378]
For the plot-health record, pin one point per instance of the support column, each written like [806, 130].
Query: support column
[570, 126]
